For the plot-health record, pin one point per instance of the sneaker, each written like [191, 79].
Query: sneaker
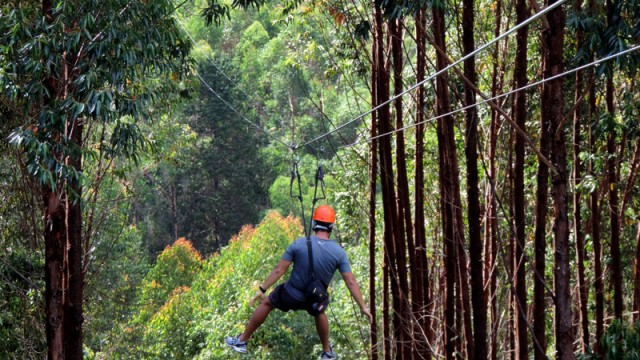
[239, 346]
[328, 355]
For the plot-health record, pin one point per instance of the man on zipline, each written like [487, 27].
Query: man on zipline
[328, 257]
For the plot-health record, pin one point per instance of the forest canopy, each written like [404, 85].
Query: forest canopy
[482, 157]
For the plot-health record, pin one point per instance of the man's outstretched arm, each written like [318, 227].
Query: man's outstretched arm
[273, 277]
[354, 289]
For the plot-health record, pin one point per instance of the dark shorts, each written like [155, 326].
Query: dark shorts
[281, 300]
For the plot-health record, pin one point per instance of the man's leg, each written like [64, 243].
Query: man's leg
[322, 326]
[258, 317]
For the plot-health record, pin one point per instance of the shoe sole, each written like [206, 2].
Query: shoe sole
[238, 349]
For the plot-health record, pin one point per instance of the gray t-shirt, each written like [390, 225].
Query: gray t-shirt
[328, 257]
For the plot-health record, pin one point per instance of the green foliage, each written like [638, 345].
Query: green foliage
[99, 61]
[177, 266]
[117, 267]
[620, 342]
[188, 320]
[21, 320]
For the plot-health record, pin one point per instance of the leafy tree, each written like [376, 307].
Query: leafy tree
[69, 69]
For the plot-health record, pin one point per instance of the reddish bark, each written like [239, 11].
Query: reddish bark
[491, 229]
[404, 225]
[479, 302]
[64, 277]
[520, 115]
[614, 218]
[552, 97]
[373, 176]
[583, 290]
[448, 177]
[382, 94]
[594, 228]
[420, 296]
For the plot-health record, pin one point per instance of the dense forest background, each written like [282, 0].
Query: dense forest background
[482, 157]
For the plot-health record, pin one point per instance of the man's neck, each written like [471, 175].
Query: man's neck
[320, 234]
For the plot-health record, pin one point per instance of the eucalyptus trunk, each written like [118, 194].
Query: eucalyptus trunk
[491, 229]
[520, 117]
[583, 290]
[594, 225]
[404, 237]
[479, 301]
[612, 178]
[448, 176]
[373, 176]
[420, 295]
[64, 277]
[552, 97]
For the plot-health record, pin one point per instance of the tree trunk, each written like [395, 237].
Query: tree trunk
[616, 264]
[73, 305]
[373, 176]
[594, 226]
[382, 94]
[491, 205]
[583, 290]
[552, 94]
[479, 301]
[54, 242]
[64, 277]
[391, 219]
[448, 180]
[420, 295]
[540, 245]
[404, 224]
[520, 114]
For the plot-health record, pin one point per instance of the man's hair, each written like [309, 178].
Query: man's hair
[321, 225]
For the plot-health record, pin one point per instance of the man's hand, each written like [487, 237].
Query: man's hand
[258, 296]
[365, 311]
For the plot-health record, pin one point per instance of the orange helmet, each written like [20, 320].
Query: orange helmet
[326, 215]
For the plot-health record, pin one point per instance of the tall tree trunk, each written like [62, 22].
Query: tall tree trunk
[404, 224]
[392, 221]
[594, 223]
[583, 290]
[420, 296]
[552, 97]
[479, 302]
[64, 277]
[520, 115]
[616, 267]
[448, 176]
[382, 95]
[54, 242]
[73, 305]
[491, 205]
[373, 175]
[540, 246]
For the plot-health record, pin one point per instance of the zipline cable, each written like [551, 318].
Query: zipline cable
[239, 114]
[431, 77]
[523, 88]
[195, 44]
